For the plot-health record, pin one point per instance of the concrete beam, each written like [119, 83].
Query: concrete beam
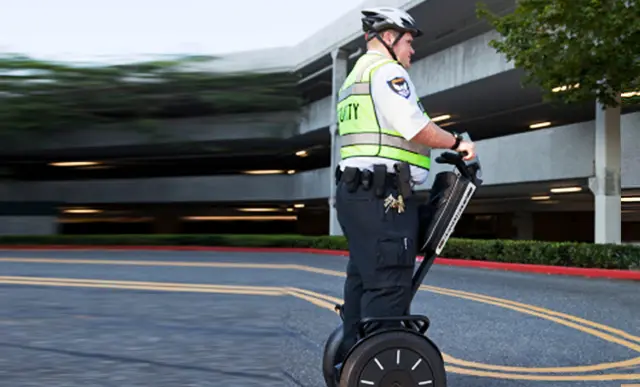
[543, 155]
[316, 115]
[463, 63]
[306, 185]
[553, 154]
[279, 125]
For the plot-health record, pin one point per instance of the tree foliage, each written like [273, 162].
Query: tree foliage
[589, 48]
[37, 95]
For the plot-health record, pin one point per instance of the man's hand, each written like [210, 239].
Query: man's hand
[469, 148]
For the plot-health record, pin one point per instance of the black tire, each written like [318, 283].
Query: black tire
[329, 358]
[374, 360]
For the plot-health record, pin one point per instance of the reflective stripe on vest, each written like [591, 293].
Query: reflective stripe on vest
[358, 125]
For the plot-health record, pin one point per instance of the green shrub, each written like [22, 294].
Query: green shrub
[588, 255]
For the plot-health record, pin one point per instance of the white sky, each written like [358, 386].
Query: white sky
[89, 30]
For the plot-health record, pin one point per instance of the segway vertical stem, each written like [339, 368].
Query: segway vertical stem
[469, 174]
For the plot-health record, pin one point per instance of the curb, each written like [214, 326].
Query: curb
[516, 267]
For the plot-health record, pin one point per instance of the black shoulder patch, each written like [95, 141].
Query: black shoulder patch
[400, 86]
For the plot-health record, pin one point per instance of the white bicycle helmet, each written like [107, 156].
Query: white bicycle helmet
[379, 19]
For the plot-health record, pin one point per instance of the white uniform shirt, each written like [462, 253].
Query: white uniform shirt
[397, 108]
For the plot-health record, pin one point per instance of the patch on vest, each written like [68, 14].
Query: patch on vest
[400, 86]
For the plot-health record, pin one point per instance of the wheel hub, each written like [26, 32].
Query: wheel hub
[399, 378]
[397, 368]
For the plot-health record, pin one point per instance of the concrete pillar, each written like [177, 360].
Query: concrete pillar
[523, 222]
[606, 185]
[339, 75]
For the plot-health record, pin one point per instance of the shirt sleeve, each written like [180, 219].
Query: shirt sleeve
[395, 98]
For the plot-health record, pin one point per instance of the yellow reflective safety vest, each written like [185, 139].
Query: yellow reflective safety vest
[358, 125]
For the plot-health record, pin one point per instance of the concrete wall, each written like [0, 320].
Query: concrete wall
[556, 153]
[177, 189]
[28, 225]
[463, 63]
[316, 115]
[630, 157]
[548, 154]
[232, 127]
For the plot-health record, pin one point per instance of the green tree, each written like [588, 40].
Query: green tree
[44, 95]
[587, 49]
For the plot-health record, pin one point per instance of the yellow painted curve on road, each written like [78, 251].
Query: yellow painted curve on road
[454, 365]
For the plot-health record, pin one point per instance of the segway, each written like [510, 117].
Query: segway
[404, 356]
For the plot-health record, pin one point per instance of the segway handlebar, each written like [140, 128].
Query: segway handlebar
[469, 169]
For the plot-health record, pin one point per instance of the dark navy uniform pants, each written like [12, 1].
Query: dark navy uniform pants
[382, 250]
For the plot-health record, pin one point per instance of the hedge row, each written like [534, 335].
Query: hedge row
[572, 254]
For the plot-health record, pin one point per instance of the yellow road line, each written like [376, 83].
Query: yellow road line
[535, 308]
[550, 378]
[142, 286]
[593, 332]
[459, 362]
[328, 302]
[315, 301]
[315, 298]
[148, 263]
[120, 282]
[326, 297]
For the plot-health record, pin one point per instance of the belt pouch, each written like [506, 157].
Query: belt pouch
[379, 179]
[403, 176]
[351, 177]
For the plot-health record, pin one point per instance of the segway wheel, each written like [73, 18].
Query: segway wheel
[394, 359]
[330, 357]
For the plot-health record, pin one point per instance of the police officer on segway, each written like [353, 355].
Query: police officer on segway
[386, 138]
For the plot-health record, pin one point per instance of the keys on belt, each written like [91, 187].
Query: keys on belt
[391, 202]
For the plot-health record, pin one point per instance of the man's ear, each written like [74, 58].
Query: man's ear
[389, 36]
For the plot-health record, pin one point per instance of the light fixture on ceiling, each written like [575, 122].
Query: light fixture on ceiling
[630, 94]
[73, 163]
[631, 199]
[541, 197]
[291, 171]
[302, 153]
[265, 172]
[259, 209]
[540, 125]
[441, 118]
[300, 205]
[249, 217]
[82, 211]
[566, 189]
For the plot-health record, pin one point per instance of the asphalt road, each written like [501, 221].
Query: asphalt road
[98, 318]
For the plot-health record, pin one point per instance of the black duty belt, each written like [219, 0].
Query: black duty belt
[378, 179]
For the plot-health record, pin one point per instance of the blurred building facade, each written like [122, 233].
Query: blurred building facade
[547, 168]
